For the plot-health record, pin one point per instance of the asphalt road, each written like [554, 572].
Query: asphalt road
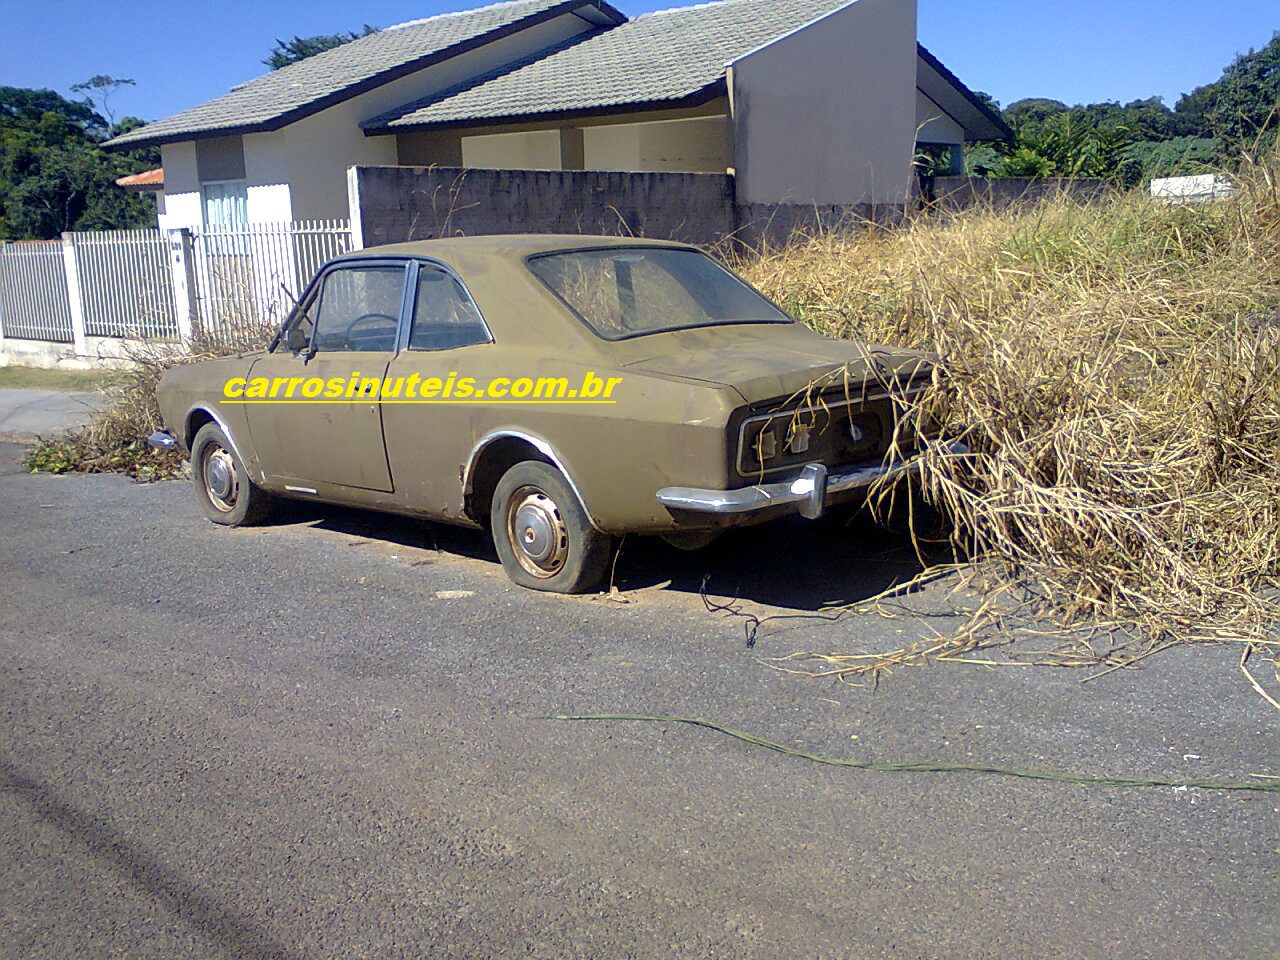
[321, 739]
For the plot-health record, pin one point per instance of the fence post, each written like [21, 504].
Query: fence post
[75, 295]
[353, 208]
[2, 283]
[182, 265]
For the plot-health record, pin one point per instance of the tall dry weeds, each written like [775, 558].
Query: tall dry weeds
[115, 439]
[1115, 368]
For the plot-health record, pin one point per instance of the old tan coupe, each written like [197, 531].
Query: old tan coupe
[561, 391]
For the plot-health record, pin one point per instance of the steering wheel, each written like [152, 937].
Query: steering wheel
[352, 334]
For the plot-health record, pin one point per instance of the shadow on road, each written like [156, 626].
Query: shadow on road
[791, 563]
[235, 934]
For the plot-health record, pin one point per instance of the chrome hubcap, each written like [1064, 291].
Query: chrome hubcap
[537, 533]
[220, 479]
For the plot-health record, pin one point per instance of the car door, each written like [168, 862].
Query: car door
[445, 339]
[350, 324]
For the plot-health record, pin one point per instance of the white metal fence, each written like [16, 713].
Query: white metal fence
[249, 277]
[151, 285]
[34, 300]
[126, 288]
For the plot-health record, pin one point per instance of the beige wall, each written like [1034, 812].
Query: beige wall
[700, 145]
[683, 145]
[802, 138]
[934, 125]
[535, 150]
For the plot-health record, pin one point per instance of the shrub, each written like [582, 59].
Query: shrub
[115, 440]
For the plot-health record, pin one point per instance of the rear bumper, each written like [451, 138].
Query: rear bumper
[808, 494]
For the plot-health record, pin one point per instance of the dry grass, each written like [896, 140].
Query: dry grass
[1115, 368]
[115, 440]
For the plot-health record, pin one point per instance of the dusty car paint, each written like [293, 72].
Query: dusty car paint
[674, 424]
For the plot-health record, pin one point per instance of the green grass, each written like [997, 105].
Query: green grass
[77, 381]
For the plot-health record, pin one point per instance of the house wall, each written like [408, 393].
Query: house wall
[181, 205]
[299, 172]
[531, 150]
[802, 139]
[698, 145]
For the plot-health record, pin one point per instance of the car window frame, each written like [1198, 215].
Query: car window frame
[786, 319]
[411, 304]
[313, 294]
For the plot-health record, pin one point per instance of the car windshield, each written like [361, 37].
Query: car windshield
[624, 292]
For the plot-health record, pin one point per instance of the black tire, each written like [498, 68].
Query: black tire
[223, 489]
[542, 533]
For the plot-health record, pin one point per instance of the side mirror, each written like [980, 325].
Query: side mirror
[296, 340]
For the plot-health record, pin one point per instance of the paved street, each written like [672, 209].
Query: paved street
[29, 413]
[321, 739]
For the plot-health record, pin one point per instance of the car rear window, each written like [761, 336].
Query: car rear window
[623, 292]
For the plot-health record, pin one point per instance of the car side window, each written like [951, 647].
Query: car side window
[359, 309]
[444, 315]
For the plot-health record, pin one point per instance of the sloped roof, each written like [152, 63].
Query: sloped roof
[309, 86]
[670, 56]
[937, 82]
[145, 182]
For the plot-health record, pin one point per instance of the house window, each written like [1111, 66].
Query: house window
[226, 204]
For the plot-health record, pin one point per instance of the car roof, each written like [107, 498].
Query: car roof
[507, 246]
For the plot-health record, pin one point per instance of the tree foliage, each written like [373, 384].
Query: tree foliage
[1207, 130]
[286, 52]
[54, 174]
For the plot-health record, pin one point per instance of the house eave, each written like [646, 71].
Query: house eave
[997, 121]
[699, 98]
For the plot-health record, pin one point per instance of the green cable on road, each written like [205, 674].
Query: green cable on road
[1265, 785]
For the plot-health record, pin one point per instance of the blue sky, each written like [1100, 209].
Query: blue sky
[182, 52]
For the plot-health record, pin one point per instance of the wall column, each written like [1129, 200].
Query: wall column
[183, 271]
[573, 149]
[75, 295]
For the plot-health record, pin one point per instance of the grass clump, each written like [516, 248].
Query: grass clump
[1115, 368]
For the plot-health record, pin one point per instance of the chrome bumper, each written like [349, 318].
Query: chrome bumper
[162, 440]
[808, 492]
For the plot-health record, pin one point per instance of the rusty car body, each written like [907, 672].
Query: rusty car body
[727, 411]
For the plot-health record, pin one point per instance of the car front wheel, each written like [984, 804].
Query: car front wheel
[223, 489]
[542, 533]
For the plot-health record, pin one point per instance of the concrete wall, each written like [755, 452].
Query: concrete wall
[395, 204]
[959, 193]
[421, 203]
[801, 138]
[299, 172]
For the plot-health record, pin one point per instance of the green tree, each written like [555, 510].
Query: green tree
[1244, 105]
[1070, 144]
[54, 175]
[286, 52]
[98, 90]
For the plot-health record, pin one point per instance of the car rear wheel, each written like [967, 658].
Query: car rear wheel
[223, 489]
[542, 533]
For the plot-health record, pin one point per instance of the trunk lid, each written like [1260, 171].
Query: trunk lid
[768, 361]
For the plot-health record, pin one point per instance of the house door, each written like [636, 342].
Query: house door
[351, 326]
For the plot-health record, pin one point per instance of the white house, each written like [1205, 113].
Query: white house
[806, 101]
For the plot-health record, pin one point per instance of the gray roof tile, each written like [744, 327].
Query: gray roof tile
[283, 96]
[670, 55]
